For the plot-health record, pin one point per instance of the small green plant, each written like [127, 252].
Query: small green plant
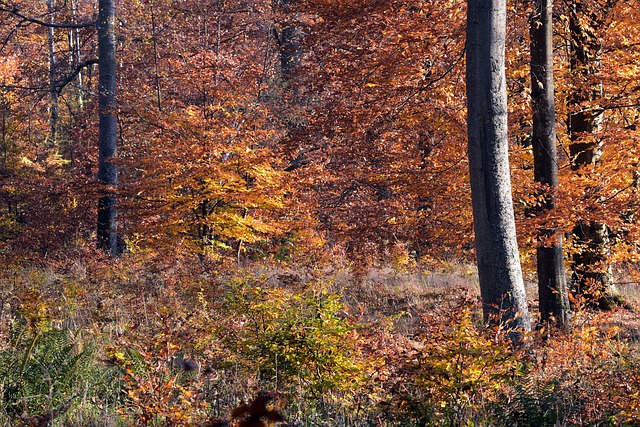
[294, 339]
[47, 375]
[534, 403]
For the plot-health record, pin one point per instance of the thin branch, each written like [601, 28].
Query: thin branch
[60, 84]
[616, 193]
[16, 12]
[43, 88]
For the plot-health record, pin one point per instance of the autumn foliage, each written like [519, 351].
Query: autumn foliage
[294, 210]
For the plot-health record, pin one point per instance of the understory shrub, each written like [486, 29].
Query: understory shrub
[456, 371]
[301, 343]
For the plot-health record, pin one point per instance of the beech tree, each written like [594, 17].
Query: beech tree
[501, 284]
[289, 40]
[53, 90]
[591, 270]
[199, 163]
[108, 138]
[552, 290]
[377, 172]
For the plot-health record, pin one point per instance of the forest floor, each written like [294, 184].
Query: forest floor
[184, 344]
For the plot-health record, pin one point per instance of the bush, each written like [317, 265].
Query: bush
[455, 372]
[297, 342]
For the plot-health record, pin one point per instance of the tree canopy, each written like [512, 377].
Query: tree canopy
[359, 148]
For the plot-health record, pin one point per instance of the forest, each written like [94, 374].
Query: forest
[319, 213]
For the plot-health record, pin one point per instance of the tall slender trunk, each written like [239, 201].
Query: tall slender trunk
[552, 288]
[584, 60]
[74, 55]
[290, 41]
[107, 227]
[53, 90]
[154, 38]
[592, 275]
[290, 45]
[501, 284]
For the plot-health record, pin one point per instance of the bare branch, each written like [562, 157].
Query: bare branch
[60, 84]
[13, 10]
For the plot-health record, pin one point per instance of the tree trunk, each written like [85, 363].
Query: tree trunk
[107, 140]
[591, 275]
[74, 56]
[290, 45]
[552, 289]
[585, 57]
[53, 91]
[501, 284]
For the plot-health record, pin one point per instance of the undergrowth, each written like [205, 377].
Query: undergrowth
[147, 346]
[47, 375]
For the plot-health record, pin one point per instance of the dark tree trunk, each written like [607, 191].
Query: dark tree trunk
[53, 90]
[501, 284]
[290, 44]
[107, 141]
[585, 58]
[591, 274]
[552, 289]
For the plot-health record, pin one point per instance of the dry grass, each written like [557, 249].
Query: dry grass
[407, 295]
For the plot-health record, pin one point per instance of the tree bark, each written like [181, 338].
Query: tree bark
[591, 275]
[501, 284]
[552, 289]
[53, 90]
[290, 45]
[74, 56]
[584, 60]
[107, 226]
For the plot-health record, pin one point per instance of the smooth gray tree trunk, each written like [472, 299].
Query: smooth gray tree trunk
[107, 226]
[552, 287]
[501, 284]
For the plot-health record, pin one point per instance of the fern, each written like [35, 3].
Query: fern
[47, 372]
[534, 404]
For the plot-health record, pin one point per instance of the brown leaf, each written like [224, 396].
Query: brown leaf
[259, 410]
